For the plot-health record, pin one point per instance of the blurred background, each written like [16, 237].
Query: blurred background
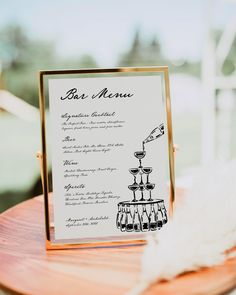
[196, 39]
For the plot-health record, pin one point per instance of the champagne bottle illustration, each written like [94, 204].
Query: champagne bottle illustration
[136, 219]
[129, 219]
[164, 213]
[118, 216]
[157, 132]
[144, 220]
[152, 218]
[159, 216]
[123, 219]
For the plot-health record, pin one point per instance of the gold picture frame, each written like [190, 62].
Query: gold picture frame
[51, 243]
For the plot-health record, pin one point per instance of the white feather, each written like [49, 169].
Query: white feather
[202, 228]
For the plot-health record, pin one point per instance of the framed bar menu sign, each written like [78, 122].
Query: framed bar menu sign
[107, 140]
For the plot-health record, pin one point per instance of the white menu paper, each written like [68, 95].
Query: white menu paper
[97, 124]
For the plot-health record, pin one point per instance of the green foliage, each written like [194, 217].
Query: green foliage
[22, 57]
[13, 46]
[229, 65]
[143, 53]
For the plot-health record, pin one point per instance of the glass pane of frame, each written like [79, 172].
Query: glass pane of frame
[107, 155]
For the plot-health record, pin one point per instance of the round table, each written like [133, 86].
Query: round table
[27, 268]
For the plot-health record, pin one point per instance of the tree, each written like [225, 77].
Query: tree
[13, 46]
[23, 57]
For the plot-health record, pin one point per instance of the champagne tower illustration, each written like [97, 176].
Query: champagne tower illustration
[143, 213]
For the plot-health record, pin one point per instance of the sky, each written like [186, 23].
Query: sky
[105, 28]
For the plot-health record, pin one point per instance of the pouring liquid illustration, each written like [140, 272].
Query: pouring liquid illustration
[144, 212]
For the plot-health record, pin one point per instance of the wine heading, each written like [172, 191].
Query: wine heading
[73, 93]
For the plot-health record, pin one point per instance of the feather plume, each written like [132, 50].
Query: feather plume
[200, 232]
